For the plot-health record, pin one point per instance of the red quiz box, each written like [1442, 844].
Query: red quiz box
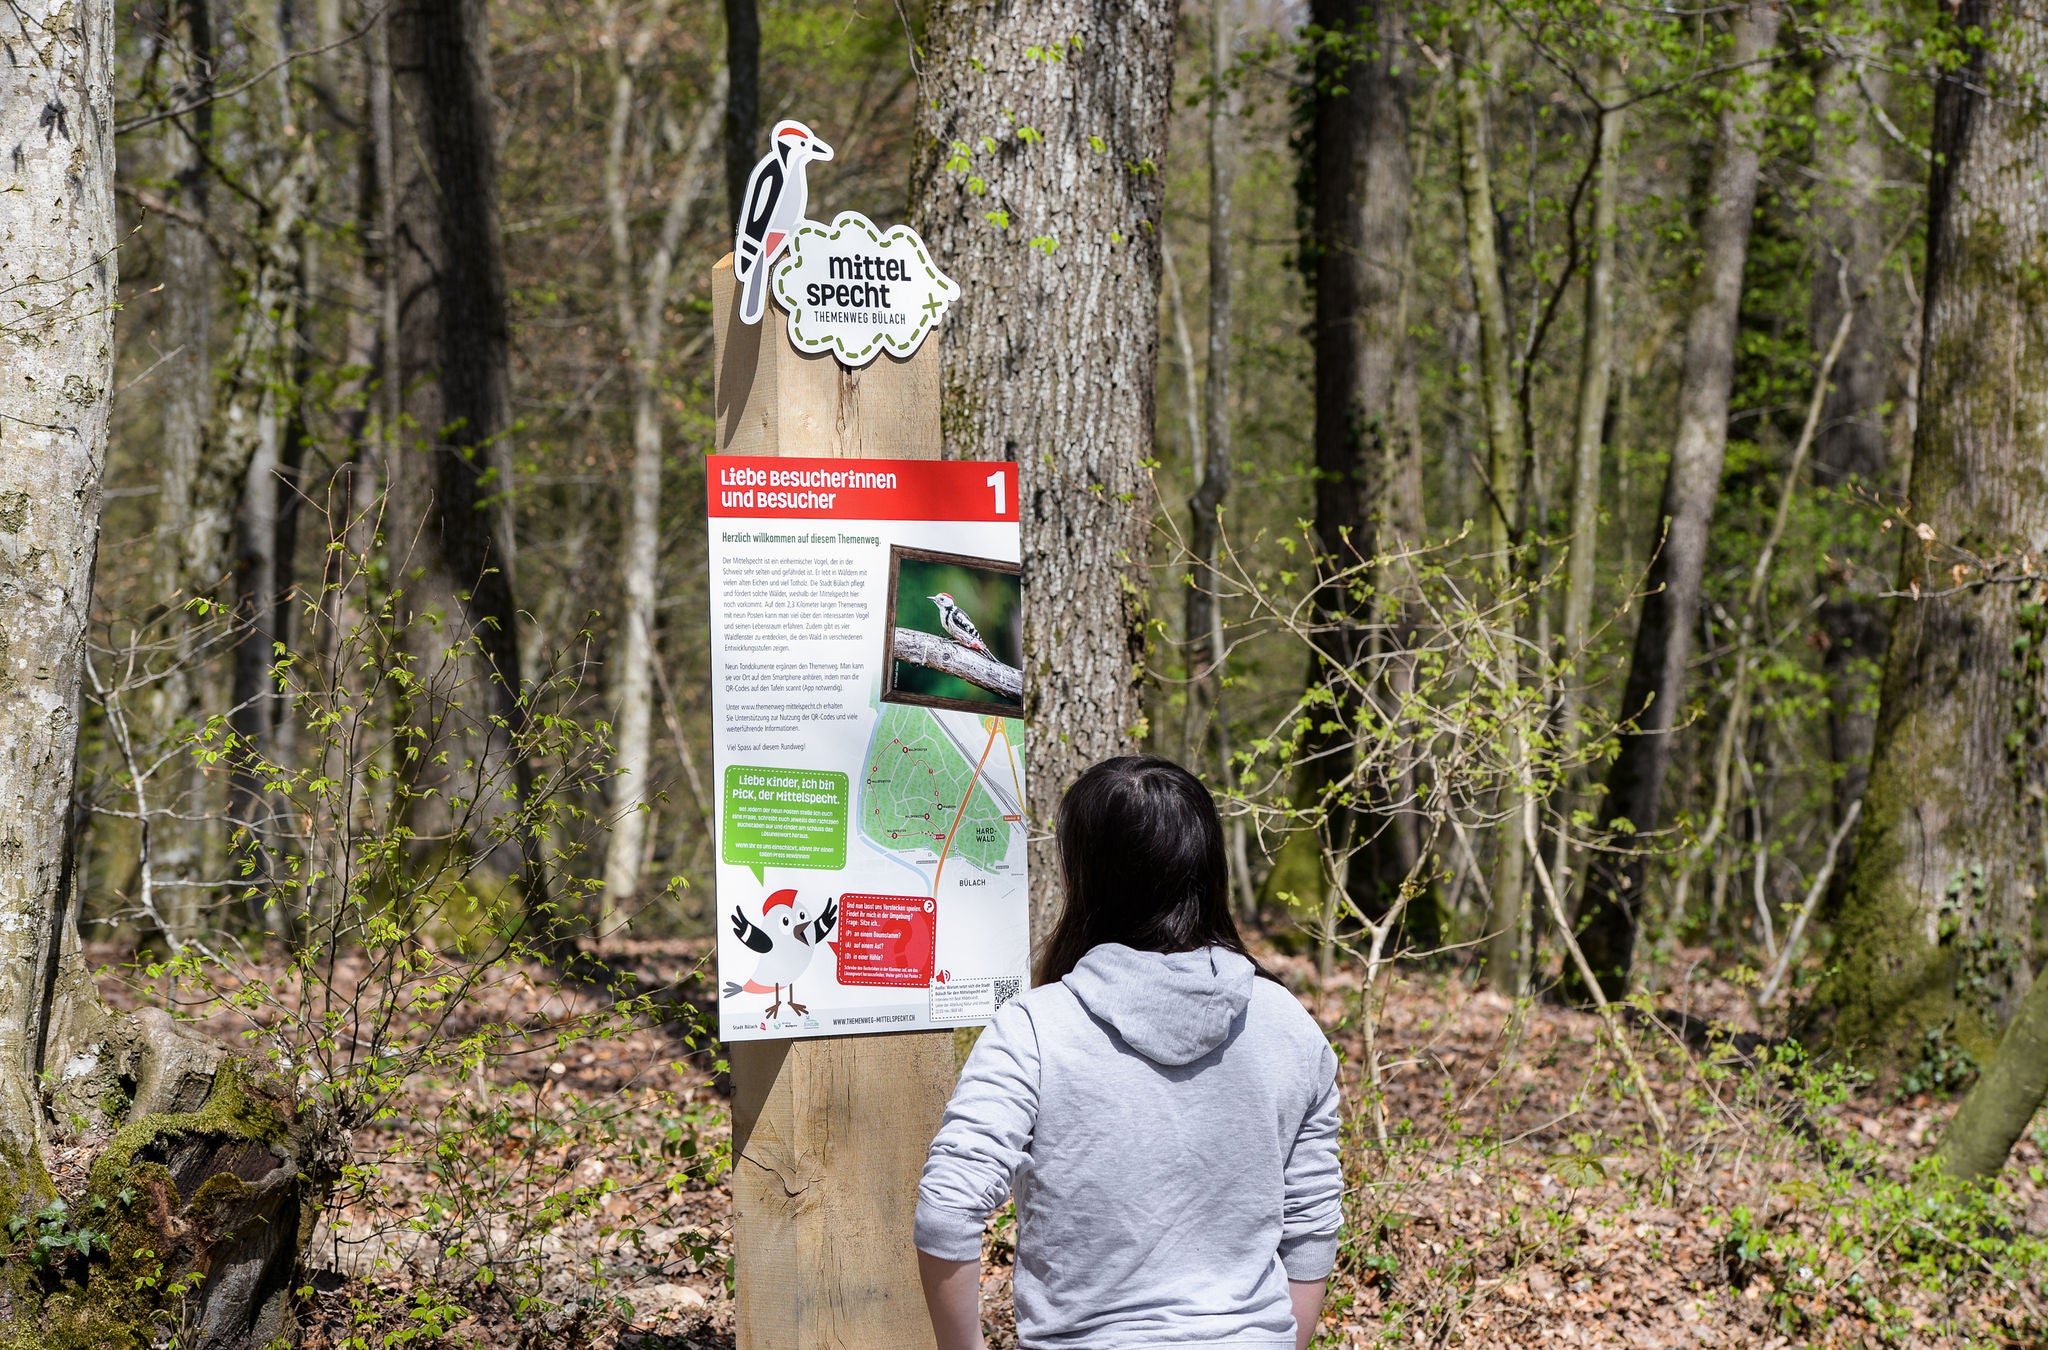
[887, 940]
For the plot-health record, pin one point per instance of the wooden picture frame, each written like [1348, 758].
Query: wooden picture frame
[995, 705]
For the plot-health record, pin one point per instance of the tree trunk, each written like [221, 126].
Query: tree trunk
[742, 101]
[1936, 925]
[1849, 450]
[258, 397]
[1508, 925]
[1356, 188]
[1201, 629]
[1596, 366]
[191, 289]
[1051, 354]
[193, 1123]
[450, 515]
[1663, 643]
[2004, 1099]
[640, 299]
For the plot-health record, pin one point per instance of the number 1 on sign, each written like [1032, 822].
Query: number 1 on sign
[995, 480]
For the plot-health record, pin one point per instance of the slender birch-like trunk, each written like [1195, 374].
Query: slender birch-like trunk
[1663, 642]
[1596, 366]
[1507, 926]
[57, 266]
[640, 298]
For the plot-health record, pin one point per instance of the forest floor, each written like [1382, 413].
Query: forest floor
[572, 1193]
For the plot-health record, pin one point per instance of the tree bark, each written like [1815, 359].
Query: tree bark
[1508, 925]
[1935, 932]
[258, 399]
[743, 145]
[450, 477]
[191, 290]
[640, 297]
[1596, 366]
[57, 256]
[1849, 451]
[1051, 354]
[1355, 257]
[2003, 1100]
[1201, 627]
[1663, 641]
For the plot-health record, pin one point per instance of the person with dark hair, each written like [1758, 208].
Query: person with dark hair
[1166, 1119]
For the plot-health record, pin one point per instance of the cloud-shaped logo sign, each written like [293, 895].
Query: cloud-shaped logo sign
[857, 291]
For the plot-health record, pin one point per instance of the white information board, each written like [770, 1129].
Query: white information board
[867, 690]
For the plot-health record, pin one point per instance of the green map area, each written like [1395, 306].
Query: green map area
[915, 778]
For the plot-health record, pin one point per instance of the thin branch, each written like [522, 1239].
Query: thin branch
[941, 654]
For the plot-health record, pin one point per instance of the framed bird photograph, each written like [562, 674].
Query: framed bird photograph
[955, 633]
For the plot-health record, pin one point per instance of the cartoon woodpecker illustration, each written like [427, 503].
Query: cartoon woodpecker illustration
[958, 626]
[787, 938]
[776, 197]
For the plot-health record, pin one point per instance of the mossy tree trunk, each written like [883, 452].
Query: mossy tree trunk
[1935, 936]
[1038, 186]
[202, 1175]
[1655, 691]
[2003, 1101]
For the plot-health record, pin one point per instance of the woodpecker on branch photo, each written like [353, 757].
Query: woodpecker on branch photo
[777, 195]
[786, 939]
[958, 626]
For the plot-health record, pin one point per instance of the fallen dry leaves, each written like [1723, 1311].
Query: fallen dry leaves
[572, 1193]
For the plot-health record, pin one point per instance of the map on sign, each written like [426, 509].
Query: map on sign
[942, 789]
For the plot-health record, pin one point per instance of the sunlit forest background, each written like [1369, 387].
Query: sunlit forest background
[1635, 760]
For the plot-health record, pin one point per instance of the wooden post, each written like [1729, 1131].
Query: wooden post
[829, 1133]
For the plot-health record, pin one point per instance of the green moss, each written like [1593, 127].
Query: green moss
[124, 1295]
[232, 1110]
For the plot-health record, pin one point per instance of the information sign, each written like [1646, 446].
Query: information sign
[867, 691]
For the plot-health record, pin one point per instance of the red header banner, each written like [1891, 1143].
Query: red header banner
[757, 487]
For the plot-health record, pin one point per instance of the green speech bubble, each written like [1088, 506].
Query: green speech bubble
[783, 818]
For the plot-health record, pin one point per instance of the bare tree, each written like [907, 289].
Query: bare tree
[1041, 187]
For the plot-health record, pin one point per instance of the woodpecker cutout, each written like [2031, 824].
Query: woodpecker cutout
[777, 195]
[958, 626]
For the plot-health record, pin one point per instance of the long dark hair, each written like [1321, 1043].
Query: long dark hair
[1141, 861]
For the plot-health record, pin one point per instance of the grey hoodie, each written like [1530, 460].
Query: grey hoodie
[1168, 1125]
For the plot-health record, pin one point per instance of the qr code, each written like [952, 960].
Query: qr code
[1007, 990]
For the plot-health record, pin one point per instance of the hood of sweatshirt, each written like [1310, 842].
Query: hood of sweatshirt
[1172, 1008]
